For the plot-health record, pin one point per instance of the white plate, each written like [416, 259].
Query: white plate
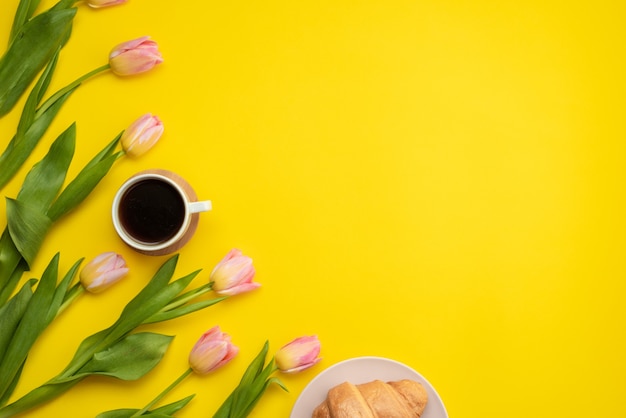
[362, 370]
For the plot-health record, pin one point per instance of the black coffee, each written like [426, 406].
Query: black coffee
[151, 211]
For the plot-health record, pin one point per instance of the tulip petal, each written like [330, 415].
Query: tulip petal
[298, 355]
[103, 271]
[142, 135]
[233, 274]
[134, 56]
[212, 351]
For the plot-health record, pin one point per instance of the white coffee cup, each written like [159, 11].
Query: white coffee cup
[156, 212]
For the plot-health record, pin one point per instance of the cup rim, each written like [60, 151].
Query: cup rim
[125, 236]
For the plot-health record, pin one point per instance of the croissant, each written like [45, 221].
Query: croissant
[375, 399]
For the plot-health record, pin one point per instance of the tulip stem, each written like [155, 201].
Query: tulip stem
[186, 297]
[162, 394]
[71, 295]
[52, 99]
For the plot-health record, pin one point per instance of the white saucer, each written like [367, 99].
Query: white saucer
[362, 370]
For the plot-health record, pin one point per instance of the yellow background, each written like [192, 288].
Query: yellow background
[436, 182]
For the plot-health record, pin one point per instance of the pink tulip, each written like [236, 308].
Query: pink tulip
[212, 351]
[134, 57]
[234, 274]
[141, 135]
[96, 4]
[298, 355]
[102, 272]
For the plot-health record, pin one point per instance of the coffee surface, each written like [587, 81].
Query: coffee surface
[152, 211]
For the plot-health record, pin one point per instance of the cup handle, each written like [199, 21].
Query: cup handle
[203, 206]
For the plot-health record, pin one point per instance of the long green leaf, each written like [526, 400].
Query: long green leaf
[250, 393]
[11, 314]
[85, 350]
[110, 335]
[132, 319]
[20, 147]
[172, 408]
[24, 11]
[41, 311]
[103, 154]
[128, 413]
[28, 227]
[129, 359]
[259, 395]
[165, 411]
[12, 266]
[229, 406]
[31, 325]
[150, 292]
[36, 397]
[61, 292]
[7, 394]
[44, 180]
[256, 366]
[31, 49]
[63, 4]
[260, 385]
[183, 310]
[79, 188]
[118, 413]
[34, 97]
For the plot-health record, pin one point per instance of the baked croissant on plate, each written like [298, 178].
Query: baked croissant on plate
[375, 399]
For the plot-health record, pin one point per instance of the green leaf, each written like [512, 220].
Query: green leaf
[255, 368]
[11, 314]
[165, 411]
[235, 403]
[21, 147]
[63, 4]
[183, 310]
[156, 295]
[4, 398]
[32, 323]
[27, 227]
[128, 413]
[86, 349]
[118, 413]
[172, 408]
[27, 223]
[35, 397]
[24, 11]
[135, 312]
[83, 184]
[104, 152]
[32, 47]
[34, 97]
[61, 292]
[256, 391]
[191, 294]
[44, 180]
[132, 319]
[130, 358]
[15, 267]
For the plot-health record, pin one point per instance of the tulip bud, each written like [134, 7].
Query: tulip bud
[298, 355]
[234, 274]
[212, 351]
[134, 57]
[96, 4]
[102, 272]
[141, 135]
